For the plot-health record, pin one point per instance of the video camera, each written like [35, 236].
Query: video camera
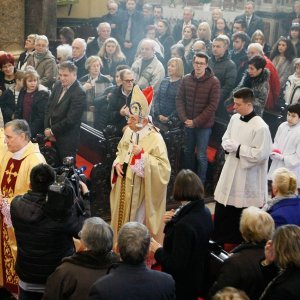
[68, 172]
[65, 192]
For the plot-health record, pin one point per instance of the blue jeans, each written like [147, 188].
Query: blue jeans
[196, 137]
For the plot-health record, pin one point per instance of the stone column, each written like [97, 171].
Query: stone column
[12, 26]
[40, 18]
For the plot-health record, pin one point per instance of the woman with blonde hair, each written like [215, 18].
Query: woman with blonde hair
[165, 105]
[204, 34]
[111, 56]
[282, 251]
[285, 206]
[242, 269]
[32, 102]
[259, 37]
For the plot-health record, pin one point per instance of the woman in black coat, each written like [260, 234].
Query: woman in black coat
[242, 269]
[187, 232]
[32, 102]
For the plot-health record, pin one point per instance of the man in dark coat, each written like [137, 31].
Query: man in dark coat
[45, 223]
[95, 45]
[63, 116]
[239, 53]
[188, 14]
[224, 69]
[111, 17]
[253, 22]
[130, 30]
[132, 279]
[79, 56]
[196, 102]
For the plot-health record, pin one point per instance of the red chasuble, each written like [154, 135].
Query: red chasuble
[9, 277]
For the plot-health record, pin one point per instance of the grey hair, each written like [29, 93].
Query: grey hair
[82, 41]
[97, 235]
[64, 51]
[19, 126]
[42, 38]
[257, 46]
[133, 242]
[103, 24]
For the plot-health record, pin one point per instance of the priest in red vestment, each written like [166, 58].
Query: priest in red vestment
[18, 155]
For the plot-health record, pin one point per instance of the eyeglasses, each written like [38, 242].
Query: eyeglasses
[129, 80]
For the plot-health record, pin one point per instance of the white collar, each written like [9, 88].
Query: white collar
[18, 155]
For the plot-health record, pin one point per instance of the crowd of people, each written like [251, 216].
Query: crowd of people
[140, 74]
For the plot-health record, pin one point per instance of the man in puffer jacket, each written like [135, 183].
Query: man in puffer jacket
[196, 102]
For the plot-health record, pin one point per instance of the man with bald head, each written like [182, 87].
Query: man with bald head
[147, 69]
[79, 56]
[104, 32]
[274, 81]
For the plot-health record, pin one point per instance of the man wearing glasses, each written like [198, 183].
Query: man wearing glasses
[196, 102]
[119, 100]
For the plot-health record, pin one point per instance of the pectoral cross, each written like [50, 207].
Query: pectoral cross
[11, 173]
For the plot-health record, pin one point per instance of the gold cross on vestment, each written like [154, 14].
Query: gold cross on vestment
[10, 173]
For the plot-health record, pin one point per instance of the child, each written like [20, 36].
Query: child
[292, 88]
[32, 102]
[286, 147]
[8, 101]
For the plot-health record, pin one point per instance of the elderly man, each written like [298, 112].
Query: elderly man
[132, 278]
[17, 158]
[79, 56]
[104, 31]
[65, 109]
[243, 181]
[274, 81]
[253, 22]
[141, 171]
[111, 17]
[147, 69]
[188, 15]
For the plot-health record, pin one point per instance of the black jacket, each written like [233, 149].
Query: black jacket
[115, 102]
[8, 105]
[242, 271]
[177, 30]
[42, 241]
[133, 282]
[39, 103]
[185, 249]
[80, 64]
[285, 286]
[256, 23]
[64, 117]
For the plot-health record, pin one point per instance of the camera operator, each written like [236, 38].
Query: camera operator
[45, 220]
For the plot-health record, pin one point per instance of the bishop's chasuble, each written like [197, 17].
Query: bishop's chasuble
[141, 195]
